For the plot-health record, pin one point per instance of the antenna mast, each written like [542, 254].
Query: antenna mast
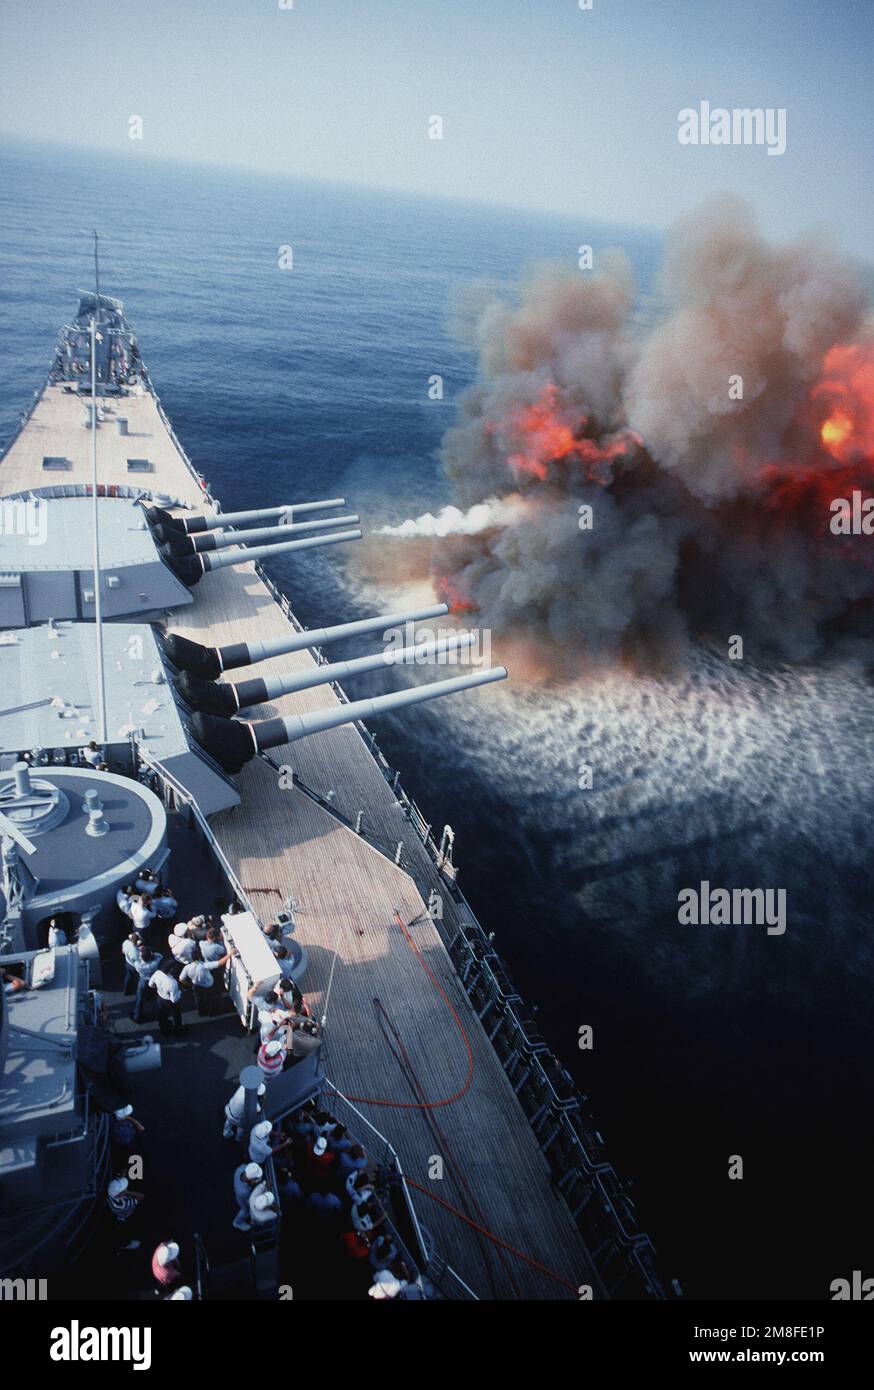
[98, 597]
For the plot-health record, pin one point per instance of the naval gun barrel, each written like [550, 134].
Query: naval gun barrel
[214, 522]
[180, 543]
[209, 662]
[233, 742]
[225, 699]
[191, 568]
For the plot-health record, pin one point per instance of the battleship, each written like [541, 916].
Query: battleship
[166, 718]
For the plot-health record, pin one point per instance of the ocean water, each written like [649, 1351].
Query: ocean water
[313, 382]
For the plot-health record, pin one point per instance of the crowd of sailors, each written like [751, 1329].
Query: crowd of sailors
[306, 1163]
[317, 1168]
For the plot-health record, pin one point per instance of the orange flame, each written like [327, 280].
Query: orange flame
[847, 392]
[448, 592]
[539, 434]
[836, 431]
[544, 435]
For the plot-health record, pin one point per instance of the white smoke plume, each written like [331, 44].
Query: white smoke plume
[451, 521]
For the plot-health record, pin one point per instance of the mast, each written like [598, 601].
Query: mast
[98, 597]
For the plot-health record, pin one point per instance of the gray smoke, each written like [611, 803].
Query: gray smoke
[708, 512]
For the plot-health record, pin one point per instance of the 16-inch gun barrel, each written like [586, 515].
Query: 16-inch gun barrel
[191, 568]
[180, 543]
[234, 742]
[209, 662]
[215, 521]
[225, 699]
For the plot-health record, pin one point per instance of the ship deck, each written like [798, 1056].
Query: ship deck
[280, 843]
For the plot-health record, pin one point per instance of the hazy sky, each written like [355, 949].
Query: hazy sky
[544, 105]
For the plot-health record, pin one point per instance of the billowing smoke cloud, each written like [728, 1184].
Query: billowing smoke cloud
[708, 452]
[768, 315]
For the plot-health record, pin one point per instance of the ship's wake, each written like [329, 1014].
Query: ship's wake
[634, 787]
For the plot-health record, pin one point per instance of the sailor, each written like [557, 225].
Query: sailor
[123, 897]
[273, 1023]
[147, 882]
[305, 1038]
[57, 935]
[124, 1127]
[12, 983]
[235, 1111]
[200, 974]
[289, 997]
[130, 950]
[261, 1145]
[262, 1206]
[181, 944]
[367, 1216]
[383, 1252]
[338, 1140]
[320, 1160]
[165, 1267]
[212, 947]
[122, 1202]
[142, 914]
[385, 1285]
[303, 1122]
[289, 1188]
[164, 903]
[271, 1058]
[145, 966]
[413, 1288]
[261, 994]
[358, 1187]
[169, 995]
[92, 754]
[273, 932]
[285, 962]
[246, 1179]
[198, 927]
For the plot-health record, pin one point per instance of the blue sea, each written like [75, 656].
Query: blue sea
[313, 382]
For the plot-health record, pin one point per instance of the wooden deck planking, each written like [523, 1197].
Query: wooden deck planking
[279, 842]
